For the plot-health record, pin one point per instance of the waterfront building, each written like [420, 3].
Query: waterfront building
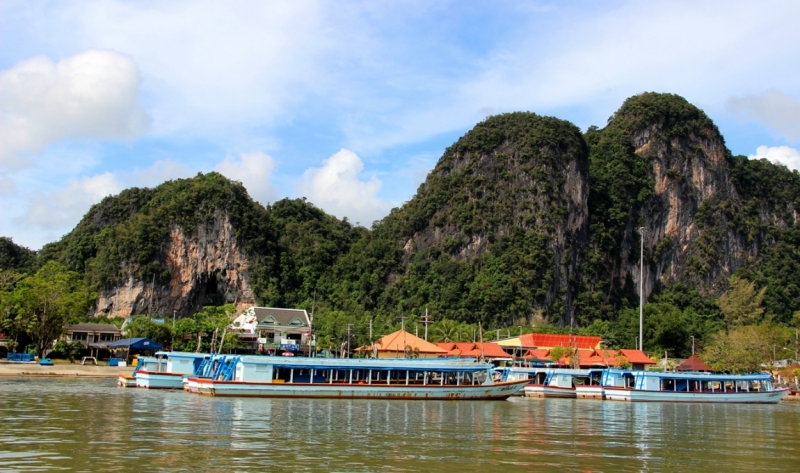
[401, 344]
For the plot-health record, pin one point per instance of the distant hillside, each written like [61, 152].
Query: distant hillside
[524, 218]
[494, 233]
[199, 241]
[15, 257]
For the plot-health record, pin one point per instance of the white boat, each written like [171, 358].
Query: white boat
[166, 370]
[591, 387]
[655, 386]
[351, 378]
[554, 382]
[129, 380]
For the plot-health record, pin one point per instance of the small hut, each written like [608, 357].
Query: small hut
[693, 363]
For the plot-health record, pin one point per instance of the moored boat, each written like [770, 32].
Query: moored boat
[592, 387]
[650, 386]
[555, 382]
[352, 378]
[166, 370]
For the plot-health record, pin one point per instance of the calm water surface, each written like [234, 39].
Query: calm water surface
[92, 425]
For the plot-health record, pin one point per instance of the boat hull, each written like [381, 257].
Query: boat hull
[540, 390]
[635, 395]
[126, 381]
[497, 391]
[590, 392]
[151, 380]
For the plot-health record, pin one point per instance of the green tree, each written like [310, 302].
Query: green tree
[559, 352]
[445, 331]
[741, 304]
[745, 349]
[40, 305]
[143, 326]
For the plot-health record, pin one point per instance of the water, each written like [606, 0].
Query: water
[92, 425]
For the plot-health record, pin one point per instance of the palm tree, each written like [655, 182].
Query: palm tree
[447, 332]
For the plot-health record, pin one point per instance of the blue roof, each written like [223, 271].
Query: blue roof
[136, 344]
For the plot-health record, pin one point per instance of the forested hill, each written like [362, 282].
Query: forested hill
[523, 219]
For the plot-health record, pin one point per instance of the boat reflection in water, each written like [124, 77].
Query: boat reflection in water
[352, 378]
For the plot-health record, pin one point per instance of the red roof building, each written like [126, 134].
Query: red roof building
[550, 340]
[487, 350]
[401, 343]
[693, 363]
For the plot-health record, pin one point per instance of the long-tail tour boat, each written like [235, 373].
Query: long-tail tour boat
[166, 370]
[626, 385]
[551, 382]
[351, 378]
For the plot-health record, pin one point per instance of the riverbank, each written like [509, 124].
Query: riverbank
[62, 370]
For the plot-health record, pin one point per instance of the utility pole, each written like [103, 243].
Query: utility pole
[426, 320]
[403, 328]
[692, 345]
[348, 339]
[641, 290]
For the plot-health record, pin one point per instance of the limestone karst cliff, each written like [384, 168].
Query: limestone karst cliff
[523, 218]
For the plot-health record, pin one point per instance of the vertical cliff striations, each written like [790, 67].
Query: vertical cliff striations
[506, 208]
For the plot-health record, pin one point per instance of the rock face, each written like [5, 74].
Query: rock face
[687, 199]
[206, 268]
[518, 177]
[688, 171]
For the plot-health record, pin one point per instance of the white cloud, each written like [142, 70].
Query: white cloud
[778, 111]
[253, 170]
[89, 95]
[158, 173]
[785, 155]
[336, 188]
[65, 207]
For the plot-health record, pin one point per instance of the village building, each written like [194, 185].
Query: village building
[693, 363]
[488, 351]
[401, 344]
[535, 348]
[271, 330]
[95, 338]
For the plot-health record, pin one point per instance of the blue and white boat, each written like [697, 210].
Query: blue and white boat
[640, 386]
[166, 369]
[551, 382]
[350, 378]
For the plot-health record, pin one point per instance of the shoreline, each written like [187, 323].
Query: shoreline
[61, 370]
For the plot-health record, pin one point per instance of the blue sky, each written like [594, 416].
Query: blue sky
[350, 104]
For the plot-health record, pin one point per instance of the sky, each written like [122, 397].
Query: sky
[349, 103]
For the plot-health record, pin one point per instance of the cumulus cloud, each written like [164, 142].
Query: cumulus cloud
[253, 170]
[90, 95]
[336, 188]
[785, 155]
[773, 108]
[66, 206]
[159, 172]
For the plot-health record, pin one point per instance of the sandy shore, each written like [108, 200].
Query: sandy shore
[89, 371]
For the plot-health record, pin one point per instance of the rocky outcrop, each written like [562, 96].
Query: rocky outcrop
[514, 174]
[206, 267]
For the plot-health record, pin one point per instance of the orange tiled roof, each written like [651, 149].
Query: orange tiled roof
[490, 350]
[693, 364]
[637, 357]
[550, 340]
[539, 354]
[397, 342]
